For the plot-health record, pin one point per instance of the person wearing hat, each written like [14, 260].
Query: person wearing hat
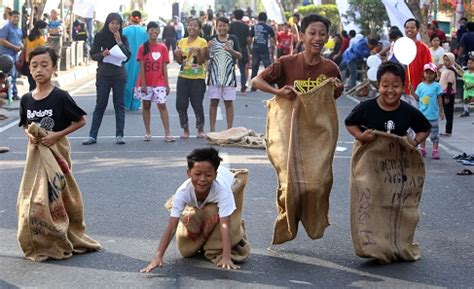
[431, 105]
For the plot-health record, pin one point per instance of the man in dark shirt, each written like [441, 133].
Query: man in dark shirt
[242, 32]
[466, 44]
[261, 33]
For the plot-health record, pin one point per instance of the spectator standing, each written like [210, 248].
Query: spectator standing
[55, 33]
[242, 31]
[261, 34]
[207, 26]
[169, 36]
[223, 52]
[10, 44]
[191, 54]
[431, 105]
[436, 31]
[153, 84]
[423, 56]
[136, 36]
[178, 27]
[437, 51]
[447, 81]
[466, 44]
[285, 41]
[109, 77]
[36, 38]
[468, 78]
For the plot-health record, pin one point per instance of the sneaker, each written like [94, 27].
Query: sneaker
[120, 140]
[243, 89]
[89, 141]
[422, 152]
[435, 155]
[464, 114]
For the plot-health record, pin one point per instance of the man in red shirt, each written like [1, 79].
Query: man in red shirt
[423, 56]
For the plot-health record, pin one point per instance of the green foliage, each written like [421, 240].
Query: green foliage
[370, 15]
[328, 10]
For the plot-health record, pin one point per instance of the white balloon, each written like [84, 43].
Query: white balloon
[373, 61]
[372, 74]
[404, 50]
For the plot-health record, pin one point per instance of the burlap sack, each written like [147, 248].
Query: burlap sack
[199, 229]
[49, 206]
[387, 177]
[301, 141]
[237, 137]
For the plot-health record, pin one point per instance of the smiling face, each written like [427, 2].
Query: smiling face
[314, 37]
[41, 68]
[193, 28]
[153, 33]
[410, 29]
[222, 28]
[202, 175]
[391, 89]
[114, 26]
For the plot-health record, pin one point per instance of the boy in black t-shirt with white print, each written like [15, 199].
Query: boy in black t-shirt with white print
[387, 112]
[50, 107]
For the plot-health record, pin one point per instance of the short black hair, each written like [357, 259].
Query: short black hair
[197, 20]
[208, 154]
[152, 24]
[417, 23]
[395, 34]
[391, 67]
[297, 15]
[223, 20]
[470, 26]
[344, 33]
[352, 33]
[239, 14]
[373, 41]
[13, 12]
[262, 16]
[137, 13]
[44, 50]
[311, 18]
[433, 37]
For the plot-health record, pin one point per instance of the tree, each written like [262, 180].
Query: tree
[370, 15]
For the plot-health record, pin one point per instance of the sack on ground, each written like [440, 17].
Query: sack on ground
[49, 206]
[301, 141]
[387, 177]
[198, 229]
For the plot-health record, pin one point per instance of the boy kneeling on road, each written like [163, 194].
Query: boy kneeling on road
[196, 203]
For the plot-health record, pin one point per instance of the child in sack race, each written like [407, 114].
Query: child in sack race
[50, 208]
[387, 171]
[208, 183]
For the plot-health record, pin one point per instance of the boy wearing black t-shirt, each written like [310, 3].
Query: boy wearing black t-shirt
[50, 107]
[387, 112]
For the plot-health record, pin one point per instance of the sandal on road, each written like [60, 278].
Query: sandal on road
[465, 172]
[169, 138]
[460, 156]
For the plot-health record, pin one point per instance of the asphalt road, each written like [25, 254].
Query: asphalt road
[125, 187]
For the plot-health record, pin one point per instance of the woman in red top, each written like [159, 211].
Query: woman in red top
[153, 84]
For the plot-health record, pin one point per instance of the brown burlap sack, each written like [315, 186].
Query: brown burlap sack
[237, 137]
[199, 229]
[49, 206]
[301, 141]
[387, 177]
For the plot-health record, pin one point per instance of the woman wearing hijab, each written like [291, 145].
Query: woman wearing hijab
[110, 76]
